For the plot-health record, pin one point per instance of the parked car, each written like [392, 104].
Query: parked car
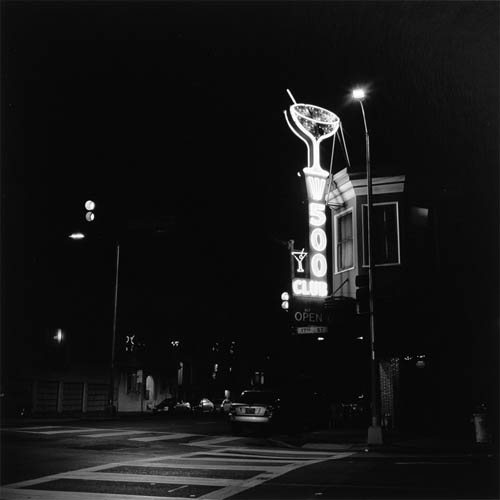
[254, 407]
[205, 405]
[172, 406]
[222, 405]
[225, 406]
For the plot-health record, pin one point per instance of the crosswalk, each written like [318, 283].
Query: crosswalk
[218, 469]
[146, 436]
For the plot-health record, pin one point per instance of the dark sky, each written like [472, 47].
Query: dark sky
[161, 110]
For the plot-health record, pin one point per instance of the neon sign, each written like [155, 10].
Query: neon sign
[312, 125]
[299, 257]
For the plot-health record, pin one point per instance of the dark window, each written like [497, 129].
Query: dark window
[385, 234]
[345, 248]
[132, 386]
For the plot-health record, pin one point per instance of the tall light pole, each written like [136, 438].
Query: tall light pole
[111, 390]
[374, 431]
[112, 406]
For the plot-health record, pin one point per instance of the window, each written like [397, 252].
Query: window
[132, 385]
[385, 234]
[344, 242]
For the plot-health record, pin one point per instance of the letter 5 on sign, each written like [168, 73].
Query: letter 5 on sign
[317, 216]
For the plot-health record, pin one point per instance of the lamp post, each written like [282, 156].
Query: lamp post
[111, 391]
[374, 431]
[112, 406]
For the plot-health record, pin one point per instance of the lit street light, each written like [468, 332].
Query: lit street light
[111, 397]
[374, 431]
[76, 236]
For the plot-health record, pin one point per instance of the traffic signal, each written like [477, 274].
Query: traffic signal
[89, 214]
[285, 304]
[362, 294]
[59, 336]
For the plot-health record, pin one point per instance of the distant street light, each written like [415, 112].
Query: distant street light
[374, 431]
[76, 236]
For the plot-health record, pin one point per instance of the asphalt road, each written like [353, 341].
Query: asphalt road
[148, 458]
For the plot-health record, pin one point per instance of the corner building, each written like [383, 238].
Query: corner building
[404, 312]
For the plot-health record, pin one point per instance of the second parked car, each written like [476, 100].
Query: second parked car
[172, 406]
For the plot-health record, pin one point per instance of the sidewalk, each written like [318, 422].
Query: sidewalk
[393, 442]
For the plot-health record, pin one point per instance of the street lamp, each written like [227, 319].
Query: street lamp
[112, 406]
[374, 431]
[76, 236]
[111, 392]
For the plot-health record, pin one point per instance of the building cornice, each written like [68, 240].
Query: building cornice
[344, 187]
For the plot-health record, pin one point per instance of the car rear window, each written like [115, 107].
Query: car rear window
[258, 397]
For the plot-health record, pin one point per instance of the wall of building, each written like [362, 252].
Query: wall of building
[149, 390]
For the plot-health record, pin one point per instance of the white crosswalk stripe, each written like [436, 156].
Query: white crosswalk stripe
[162, 437]
[90, 432]
[115, 434]
[65, 431]
[197, 474]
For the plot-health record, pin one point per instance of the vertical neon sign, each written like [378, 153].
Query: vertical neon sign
[313, 124]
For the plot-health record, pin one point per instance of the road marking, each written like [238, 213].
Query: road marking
[268, 463]
[176, 489]
[163, 437]
[61, 429]
[115, 433]
[180, 465]
[247, 456]
[272, 451]
[31, 428]
[69, 431]
[275, 464]
[327, 446]
[13, 494]
[213, 441]
[150, 478]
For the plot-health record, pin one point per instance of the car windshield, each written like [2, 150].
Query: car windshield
[257, 397]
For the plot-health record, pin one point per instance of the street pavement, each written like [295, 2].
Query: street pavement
[140, 458]
[218, 468]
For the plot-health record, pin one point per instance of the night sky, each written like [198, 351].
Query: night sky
[169, 115]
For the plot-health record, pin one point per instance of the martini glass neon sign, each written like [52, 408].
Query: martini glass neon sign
[313, 125]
